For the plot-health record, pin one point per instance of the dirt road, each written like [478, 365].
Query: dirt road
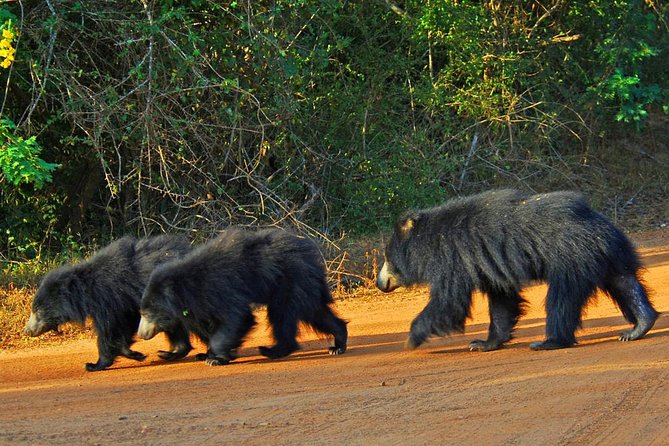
[600, 392]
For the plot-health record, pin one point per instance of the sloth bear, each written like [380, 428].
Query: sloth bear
[108, 288]
[212, 292]
[497, 242]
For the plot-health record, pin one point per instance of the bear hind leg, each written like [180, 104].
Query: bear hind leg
[630, 295]
[124, 340]
[505, 309]
[284, 328]
[325, 321]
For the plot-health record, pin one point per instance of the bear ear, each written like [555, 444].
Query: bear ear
[406, 224]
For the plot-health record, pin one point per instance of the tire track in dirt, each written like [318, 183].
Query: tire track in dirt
[632, 404]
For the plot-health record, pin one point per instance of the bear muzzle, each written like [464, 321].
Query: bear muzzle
[147, 329]
[386, 281]
[35, 327]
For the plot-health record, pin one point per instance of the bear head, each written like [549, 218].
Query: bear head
[396, 268]
[157, 308]
[58, 300]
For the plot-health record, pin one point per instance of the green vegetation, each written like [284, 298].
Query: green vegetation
[329, 115]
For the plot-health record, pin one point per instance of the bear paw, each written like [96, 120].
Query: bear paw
[201, 357]
[483, 346]
[336, 350]
[95, 367]
[411, 344]
[174, 355]
[215, 360]
[276, 352]
[137, 356]
[640, 329]
[549, 344]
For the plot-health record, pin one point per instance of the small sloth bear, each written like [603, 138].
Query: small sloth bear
[497, 242]
[212, 292]
[108, 288]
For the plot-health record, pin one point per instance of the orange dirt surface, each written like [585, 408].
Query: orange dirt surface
[601, 391]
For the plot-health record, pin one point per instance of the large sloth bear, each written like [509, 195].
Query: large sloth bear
[108, 288]
[497, 242]
[212, 292]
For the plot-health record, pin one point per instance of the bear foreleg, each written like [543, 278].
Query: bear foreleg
[225, 342]
[441, 316]
[180, 344]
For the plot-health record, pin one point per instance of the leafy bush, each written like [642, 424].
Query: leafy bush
[19, 158]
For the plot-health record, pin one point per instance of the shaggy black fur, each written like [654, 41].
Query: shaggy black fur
[108, 288]
[499, 241]
[212, 291]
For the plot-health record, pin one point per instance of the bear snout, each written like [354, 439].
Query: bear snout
[35, 327]
[147, 329]
[385, 280]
